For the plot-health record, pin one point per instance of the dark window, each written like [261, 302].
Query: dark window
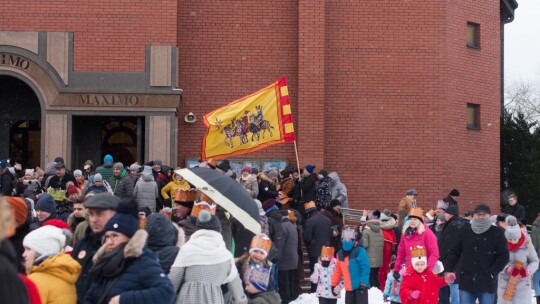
[473, 116]
[473, 35]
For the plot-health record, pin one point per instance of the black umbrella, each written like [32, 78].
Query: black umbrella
[225, 192]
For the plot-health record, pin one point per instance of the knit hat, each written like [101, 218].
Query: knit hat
[441, 217]
[246, 168]
[208, 221]
[134, 167]
[29, 172]
[126, 219]
[59, 165]
[3, 163]
[77, 173]
[59, 159]
[259, 206]
[454, 192]
[501, 217]
[323, 172]
[310, 168]
[46, 240]
[482, 208]
[224, 165]
[66, 230]
[98, 178]
[118, 165]
[452, 210]
[269, 203]
[442, 204]
[108, 159]
[158, 162]
[72, 190]
[19, 207]
[147, 170]
[513, 231]
[46, 203]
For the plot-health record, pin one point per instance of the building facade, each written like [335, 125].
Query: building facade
[391, 95]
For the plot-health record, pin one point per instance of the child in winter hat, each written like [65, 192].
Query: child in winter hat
[392, 286]
[420, 285]
[258, 275]
[322, 272]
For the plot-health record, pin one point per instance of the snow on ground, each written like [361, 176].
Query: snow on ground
[375, 297]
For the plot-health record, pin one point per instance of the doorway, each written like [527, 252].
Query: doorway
[20, 123]
[96, 136]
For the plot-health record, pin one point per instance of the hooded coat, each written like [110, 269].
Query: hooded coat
[141, 281]
[146, 192]
[317, 232]
[426, 282]
[106, 170]
[122, 185]
[267, 187]
[55, 279]
[250, 184]
[337, 222]
[289, 260]
[169, 190]
[323, 194]
[423, 236]
[390, 242]
[527, 255]
[373, 239]
[339, 190]
[276, 235]
[164, 239]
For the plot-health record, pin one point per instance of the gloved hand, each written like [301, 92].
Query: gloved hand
[333, 290]
[403, 272]
[509, 270]
[415, 294]
[396, 276]
[450, 277]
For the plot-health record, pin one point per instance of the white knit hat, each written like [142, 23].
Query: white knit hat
[46, 240]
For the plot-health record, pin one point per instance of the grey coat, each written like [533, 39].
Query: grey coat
[250, 184]
[146, 192]
[289, 257]
[526, 254]
[339, 190]
[373, 240]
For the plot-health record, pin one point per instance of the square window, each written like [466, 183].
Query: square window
[473, 116]
[473, 35]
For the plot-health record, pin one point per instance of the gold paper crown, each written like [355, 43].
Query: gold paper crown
[327, 251]
[418, 252]
[261, 242]
[310, 204]
[417, 212]
[199, 206]
[204, 197]
[185, 195]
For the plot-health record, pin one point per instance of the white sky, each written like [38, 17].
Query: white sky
[522, 44]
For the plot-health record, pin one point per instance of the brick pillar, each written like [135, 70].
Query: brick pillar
[311, 52]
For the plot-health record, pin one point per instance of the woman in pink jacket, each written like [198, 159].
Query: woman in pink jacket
[416, 233]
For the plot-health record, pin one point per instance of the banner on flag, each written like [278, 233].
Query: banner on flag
[250, 123]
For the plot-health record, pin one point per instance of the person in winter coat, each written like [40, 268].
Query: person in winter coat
[286, 186]
[515, 209]
[316, 233]
[61, 177]
[308, 183]
[168, 192]
[483, 251]
[523, 262]
[106, 170]
[333, 212]
[124, 271]
[323, 193]
[373, 240]
[267, 185]
[53, 271]
[203, 265]
[535, 238]
[6, 179]
[45, 209]
[275, 230]
[249, 181]
[96, 184]
[352, 266]
[146, 190]
[405, 205]
[388, 224]
[450, 199]
[420, 285]
[289, 261]
[322, 275]
[448, 237]
[121, 184]
[163, 239]
[338, 189]
[12, 288]
[391, 287]
[416, 233]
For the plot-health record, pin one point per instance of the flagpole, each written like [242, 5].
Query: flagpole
[297, 161]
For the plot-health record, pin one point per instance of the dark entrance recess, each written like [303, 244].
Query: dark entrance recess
[20, 122]
[96, 136]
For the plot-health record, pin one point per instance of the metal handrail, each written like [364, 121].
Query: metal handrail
[351, 215]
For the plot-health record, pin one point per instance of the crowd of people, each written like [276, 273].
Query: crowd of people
[143, 234]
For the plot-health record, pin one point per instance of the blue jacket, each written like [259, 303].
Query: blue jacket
[388, 293]
[354, 269]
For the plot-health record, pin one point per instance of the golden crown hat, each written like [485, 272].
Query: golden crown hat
[327, 252]
[310, 204]
[418, 253]
[262, 243]
[203, 197]
[182, 195]
[417, 212]
[202, 205]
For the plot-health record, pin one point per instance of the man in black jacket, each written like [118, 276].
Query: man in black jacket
[100, 208]
[448, 237]
[61, 178]
[6, 179]
[515, 209]
[316, 234]
[483, 252]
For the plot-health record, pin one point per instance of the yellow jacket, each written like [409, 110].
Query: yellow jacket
[55, 279]
[170, 189]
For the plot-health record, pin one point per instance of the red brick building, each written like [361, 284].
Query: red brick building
[390, 94]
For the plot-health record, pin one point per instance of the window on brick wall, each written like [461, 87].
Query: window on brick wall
[473, 116]
[473, 35]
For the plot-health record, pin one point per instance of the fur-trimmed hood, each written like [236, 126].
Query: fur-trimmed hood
[134, 247]
[388, 224]
[420, 230]
[263, 176]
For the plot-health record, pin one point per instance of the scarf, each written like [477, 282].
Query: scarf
[109, 265]
[513, 247]
[480, 226]
[205, 247]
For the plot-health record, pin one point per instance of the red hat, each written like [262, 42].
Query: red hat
[57, 223]
[72, 190]
[19, 207]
